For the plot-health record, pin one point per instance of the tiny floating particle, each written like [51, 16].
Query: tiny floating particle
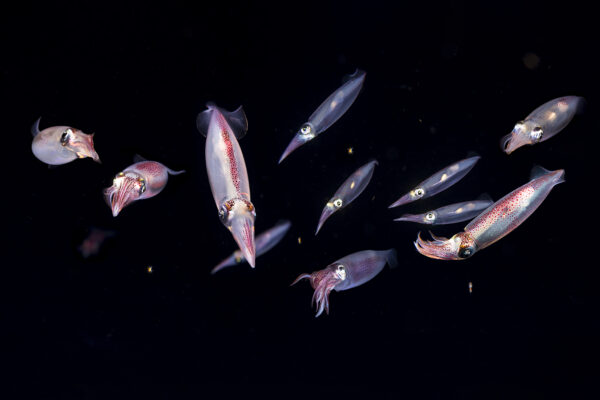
[149, 269]
[350, 150]
[470, 287]
[299, 240]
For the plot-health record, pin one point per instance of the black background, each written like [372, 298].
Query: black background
[443, 79]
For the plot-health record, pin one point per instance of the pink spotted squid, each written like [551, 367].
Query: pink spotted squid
[497, 221]
[227, 174]
[142, 180]
[346, 273]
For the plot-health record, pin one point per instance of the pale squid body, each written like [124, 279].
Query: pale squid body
[264, 242]
[450, 214]
[439, 181]
[328, 112]
[142, 180]
[543, 123]
[497, 221]
[58, 145]
[346, 273]
[350, 189]
[227, 174]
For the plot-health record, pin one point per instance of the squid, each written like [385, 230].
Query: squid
[264, 242]
[450, 214]
[439, 181]
[59, 145]
[497, 221]
[350, 190]
[543, 123]
[141, 180]
[328, 112]
[346, 273]
[94, 240]
[227, 174]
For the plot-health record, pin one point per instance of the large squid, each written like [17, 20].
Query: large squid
[58, 145]
[346, 273]
[141, 180]
[497, 221]
[543, 123]
[227, 173]
[328, 112]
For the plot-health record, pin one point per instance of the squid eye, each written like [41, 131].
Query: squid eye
[519, 124]
[419, 192]
[66, 135]
[338, 203]
[224, 211]
[142, 182]
[430, 216]
[341, 272]
[306, 129]
[250, 206]
[121, 174]
[537, 133]
[465, 252]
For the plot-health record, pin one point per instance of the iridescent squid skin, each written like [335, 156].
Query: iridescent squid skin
[328, 112]
[352, 187]
[497, 221]
[439, 181]
[59, 145]
[543, 123]
[227, 174]
[264, 242]
[450, 214]
[142, 180]
[346, 273]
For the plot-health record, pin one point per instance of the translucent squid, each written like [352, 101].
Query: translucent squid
[497, 221]
[346, 273]
[58, 145]
[264, 242]
[328, 112]
[450, 214]
[350, 189]
[92, 243]
[543, 123]
[141, 180]
[439, 181]
[227, 173]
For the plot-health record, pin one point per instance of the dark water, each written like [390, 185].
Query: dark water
[442, 80]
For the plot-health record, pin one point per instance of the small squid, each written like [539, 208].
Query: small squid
[94, 240]
[497, 221]
[227, 173]
[450, 214]
[543, 123]
[350, 189]
[346, 273]
[264, 242]
[142, 180]
[439, 181]
[58, 145]
[328, 112]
